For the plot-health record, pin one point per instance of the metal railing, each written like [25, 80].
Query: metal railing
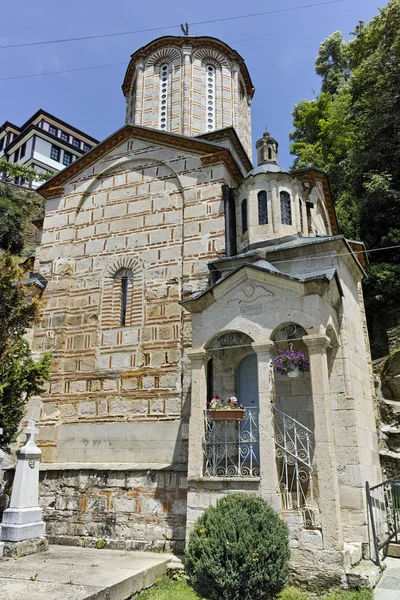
[231, 449]
[383, 501]
[294, 448]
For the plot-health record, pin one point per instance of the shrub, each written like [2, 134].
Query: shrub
[238, 549]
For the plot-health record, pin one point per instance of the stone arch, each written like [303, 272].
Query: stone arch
[164, 55]
[212, 57]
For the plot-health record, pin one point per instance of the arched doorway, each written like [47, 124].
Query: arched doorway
[247, 391]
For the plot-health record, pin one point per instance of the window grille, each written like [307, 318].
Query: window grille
[286, 209]
[163, 96]
[244, 215]
[262, 208]
[210, 76]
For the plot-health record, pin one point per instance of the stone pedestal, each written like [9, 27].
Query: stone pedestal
[23, 519]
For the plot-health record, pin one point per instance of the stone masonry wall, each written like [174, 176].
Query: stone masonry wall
[160, 214]
[124, 509]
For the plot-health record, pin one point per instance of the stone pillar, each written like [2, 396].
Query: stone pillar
[139, 93]
[324, 454]
[23, 519]
[269, 474]
[199, 359]
[186, 90]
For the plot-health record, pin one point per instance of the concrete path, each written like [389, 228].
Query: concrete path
[389, 586]
[69, 573]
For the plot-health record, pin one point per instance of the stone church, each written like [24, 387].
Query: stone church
[175, 270]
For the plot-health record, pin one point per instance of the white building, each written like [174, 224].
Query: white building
[44, 143]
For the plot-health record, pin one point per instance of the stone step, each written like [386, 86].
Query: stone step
[393, 550]
[73, 573]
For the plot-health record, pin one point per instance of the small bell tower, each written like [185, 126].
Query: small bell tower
[267, 149]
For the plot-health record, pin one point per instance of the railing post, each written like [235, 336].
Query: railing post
[373, 530]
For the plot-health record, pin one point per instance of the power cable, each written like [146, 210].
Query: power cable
[151, 29]
[28, 76]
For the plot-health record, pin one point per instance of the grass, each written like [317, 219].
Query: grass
[166, 589]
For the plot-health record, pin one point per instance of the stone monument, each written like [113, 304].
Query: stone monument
[22, 528]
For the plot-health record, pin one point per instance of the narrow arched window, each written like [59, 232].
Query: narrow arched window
[286, 209]
[244, 215]
[123, 282]
[262, 208]
[210, 112]
[301, 215]
[164, 97]
[269, 154]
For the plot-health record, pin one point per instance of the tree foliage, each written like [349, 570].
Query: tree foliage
[17, 206]
[13, 170]
[352, 130]
[20, 376]
[238, 549]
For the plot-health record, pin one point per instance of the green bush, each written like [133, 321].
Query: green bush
[238, 549]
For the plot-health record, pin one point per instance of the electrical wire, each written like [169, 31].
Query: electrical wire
[165, 27]
[28, 76]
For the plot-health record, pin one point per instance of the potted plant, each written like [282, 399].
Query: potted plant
[230, 410]
[290, 363]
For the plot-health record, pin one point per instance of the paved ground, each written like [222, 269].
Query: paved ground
[389, 586]
[69, 573]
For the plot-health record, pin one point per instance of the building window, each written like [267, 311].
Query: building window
[309, 206]
[22, 150]
[55, 153]
[16, 155]
[301, 215]
[286, 209]
[2, 143]
[244, 215]
[123, 285]
[210, 76]
[67, 159]
[163, 97]
[22, 181]
[86, 147]
[76, 143]
[64, 136]
[262, 208]
[269, 154]
[53, 130]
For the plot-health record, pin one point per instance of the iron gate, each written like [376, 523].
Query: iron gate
[383, 502]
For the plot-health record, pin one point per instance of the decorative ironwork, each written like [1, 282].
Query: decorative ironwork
[230, 339]
[286, 208]
[384, 515]
[290, 331]
[262, 207]
[294, 446]
[232, 449]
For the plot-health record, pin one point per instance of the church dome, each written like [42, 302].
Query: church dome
[189, 86]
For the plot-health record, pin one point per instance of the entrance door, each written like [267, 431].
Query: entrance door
[247, 386]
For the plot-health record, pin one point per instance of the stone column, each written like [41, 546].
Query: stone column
[186, 50]
[269, 474]
[199, 359]
[139, 94]
[324, 454]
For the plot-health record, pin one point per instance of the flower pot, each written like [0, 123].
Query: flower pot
[228, 414]
[294, 373]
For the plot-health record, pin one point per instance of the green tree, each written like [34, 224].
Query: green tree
[20, 376]
[352, 130]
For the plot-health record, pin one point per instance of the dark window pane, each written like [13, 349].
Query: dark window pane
[23, 150]
[55, 153]
[262, 208]
[244, 215]
[52, 130]
[16, 155]
[124, 293]
[76, 143]
[2, 143]
[64, 136]
[86, 147]
[67, 160]
[286, 209]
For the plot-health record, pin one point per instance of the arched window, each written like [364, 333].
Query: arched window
[123, 279]
[286, 209]
[210, 112]
[262, 208]
[244, 215]
[301, 215]
[269, 154]
[164, 85]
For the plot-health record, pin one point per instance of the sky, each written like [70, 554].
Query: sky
[279, 50]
